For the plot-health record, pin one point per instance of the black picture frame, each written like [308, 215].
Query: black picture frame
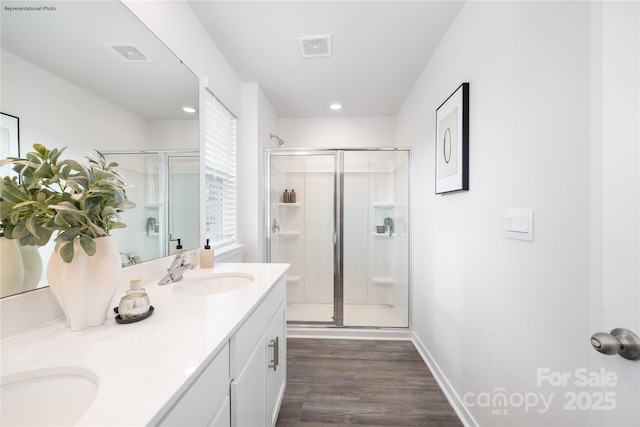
[452, 142]
[9, 140]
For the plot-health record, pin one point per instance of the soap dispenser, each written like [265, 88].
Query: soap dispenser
[285, 196]
[178, 248]
[292, 196]
[206, 256]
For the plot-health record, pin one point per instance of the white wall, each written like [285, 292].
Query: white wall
[57, 113]
[337, 132]
[259, 122]
[491, 311]
[174, 135]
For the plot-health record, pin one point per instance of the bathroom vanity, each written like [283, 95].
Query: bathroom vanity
[213, 353]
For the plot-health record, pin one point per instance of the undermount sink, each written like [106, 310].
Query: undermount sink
[45, 397]
[215, 283]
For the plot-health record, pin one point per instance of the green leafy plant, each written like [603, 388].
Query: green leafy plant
[64, 196]
[388, 225]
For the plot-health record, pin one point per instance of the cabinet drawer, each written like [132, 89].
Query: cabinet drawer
[244, 341]
[200, 403]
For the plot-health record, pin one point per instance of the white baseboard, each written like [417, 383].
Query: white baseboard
[446, 387]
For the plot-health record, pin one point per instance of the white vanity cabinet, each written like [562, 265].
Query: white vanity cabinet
[244, 384]
[206, 402]
[258, 363]
[201, 360]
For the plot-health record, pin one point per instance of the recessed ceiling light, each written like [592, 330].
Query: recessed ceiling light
[335, 106]
[188, 109]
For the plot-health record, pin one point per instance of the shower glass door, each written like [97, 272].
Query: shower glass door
[375, 234]
[346, 235]
[302, 232]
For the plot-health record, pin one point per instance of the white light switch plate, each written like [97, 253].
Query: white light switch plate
[518, 224]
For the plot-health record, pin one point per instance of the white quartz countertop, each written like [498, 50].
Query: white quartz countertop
[143, 367]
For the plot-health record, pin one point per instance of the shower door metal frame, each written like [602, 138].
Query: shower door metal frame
[338, 243]
[337, 223]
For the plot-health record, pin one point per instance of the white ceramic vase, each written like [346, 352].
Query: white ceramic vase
[32, 263]
[85, 286]
[11, 268]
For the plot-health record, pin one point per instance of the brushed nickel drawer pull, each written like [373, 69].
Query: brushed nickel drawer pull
[275, 361]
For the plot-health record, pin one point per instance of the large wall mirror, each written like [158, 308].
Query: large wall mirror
[90, 75]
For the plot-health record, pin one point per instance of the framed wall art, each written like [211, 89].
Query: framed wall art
[452, 142]
[9, 140]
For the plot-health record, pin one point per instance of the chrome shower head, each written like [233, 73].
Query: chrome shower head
[280, 141]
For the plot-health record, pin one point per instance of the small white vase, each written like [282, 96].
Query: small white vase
[85, 286]
[11, 268]
[32, 263]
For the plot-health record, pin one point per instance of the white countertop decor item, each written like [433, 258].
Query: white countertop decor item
[85, 286]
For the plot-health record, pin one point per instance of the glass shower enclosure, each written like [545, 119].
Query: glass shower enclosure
[341, 219]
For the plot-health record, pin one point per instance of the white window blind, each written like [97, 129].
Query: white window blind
[220, 172]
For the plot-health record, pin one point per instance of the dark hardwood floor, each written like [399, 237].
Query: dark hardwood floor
[334, 383]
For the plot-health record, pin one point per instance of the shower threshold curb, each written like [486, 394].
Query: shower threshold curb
[329, 332]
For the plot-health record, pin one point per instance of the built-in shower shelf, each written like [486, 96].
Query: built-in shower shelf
[384, 205]
[288, 234]
[382, 235]
[293, 279]
[288, 205]
[384, 281]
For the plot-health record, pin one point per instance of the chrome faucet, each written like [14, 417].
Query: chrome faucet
[275, 226]
[177, 269]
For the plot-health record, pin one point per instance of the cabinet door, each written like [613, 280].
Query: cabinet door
[223, 417]
[276, 346]
[204, 398]
[247, 392]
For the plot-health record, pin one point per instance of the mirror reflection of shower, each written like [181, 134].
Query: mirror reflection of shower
[278, 139]
[166, 187]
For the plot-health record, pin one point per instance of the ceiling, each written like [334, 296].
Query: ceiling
[379, 50]
[70, 42]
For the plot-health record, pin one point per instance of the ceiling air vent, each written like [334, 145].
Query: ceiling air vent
[315, 46]
[129, 52]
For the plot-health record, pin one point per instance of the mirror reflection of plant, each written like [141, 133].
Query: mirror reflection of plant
[388, 225]
[151, 224]
[78, 201]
